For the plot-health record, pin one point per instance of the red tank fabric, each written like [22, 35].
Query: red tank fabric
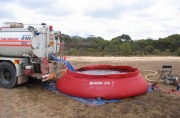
[112, 86]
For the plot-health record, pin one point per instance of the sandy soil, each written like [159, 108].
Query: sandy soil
[32, 100]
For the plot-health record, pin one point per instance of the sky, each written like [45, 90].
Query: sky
[140, 19]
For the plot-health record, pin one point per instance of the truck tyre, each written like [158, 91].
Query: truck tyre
[7, 75]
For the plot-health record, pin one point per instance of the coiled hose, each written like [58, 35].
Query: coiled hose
[153, 73]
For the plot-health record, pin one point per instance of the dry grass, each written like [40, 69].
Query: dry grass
[32, 100]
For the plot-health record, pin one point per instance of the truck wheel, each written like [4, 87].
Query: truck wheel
[7, 75]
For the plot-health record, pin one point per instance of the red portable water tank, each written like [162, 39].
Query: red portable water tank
[103, 81]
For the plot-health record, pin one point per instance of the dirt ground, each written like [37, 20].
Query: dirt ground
[32, 100]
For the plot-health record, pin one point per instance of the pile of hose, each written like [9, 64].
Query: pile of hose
[69, 66]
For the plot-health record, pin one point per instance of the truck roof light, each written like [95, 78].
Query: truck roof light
[50, 28]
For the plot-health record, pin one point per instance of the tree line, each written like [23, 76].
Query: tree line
[121, 45]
